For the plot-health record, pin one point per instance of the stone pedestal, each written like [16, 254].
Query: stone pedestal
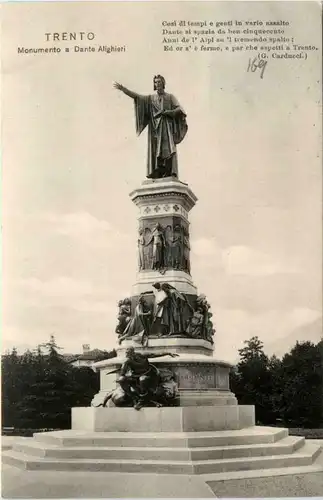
[166, 202]
[171, 344]
[164, 258]
[187, 419]
[201, 379]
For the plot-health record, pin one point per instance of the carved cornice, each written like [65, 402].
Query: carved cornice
[159, 195]
[181, 364]
[148, 194]
[164, 208]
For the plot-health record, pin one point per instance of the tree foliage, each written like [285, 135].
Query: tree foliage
[302, 377]
[39, 388]
[288, 390]
[253, 381]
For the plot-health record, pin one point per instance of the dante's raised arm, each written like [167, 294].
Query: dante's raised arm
[126, 91]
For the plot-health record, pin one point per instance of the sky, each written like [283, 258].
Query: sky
[71, 157]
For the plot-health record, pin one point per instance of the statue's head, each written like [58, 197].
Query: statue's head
[159, 82]
[166, 287]
[127, 302]
[157, 227]
[130, 352]
[141, 299]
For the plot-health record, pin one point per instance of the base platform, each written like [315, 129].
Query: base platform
[167, 419]
[186, 440]
[213, 455]
[202, 380]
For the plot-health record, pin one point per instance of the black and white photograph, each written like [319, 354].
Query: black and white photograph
[161, 249]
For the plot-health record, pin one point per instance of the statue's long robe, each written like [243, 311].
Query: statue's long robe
[172, 309]
[139, 324]
[164, 132]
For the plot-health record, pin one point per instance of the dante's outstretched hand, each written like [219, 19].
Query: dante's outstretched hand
[117, 86]
[173, 354]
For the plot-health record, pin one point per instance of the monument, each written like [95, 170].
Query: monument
[165, 404]
[165, 315]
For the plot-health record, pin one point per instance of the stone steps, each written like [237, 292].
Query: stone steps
[316, 467]
[42, 449]
[302, 457]
[251, 435]
[204, 453]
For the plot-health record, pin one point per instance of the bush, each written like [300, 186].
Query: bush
[307, 433]
[25, 432]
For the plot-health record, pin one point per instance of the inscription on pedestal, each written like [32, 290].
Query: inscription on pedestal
[196, 377]
[222, 378]
[202, 377]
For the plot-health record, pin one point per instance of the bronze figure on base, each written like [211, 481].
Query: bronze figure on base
[141, 383]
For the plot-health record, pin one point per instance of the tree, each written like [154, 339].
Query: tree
[86, 384]
[46, 403]
[289, 390]
[252, 380]
[275, 368]
[10, 369]
[39, 388]
[302, 385]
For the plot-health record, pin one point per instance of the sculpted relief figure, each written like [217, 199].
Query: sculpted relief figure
[200, 325]
[140, 324]
[172, 310]
[196, 324]
[177, 245]
[141, 250]
[186, 251]
[167, 127]
[163, 249]
[124, 315]
[148, 249]
[158, 244]
[179, 249]
[168, 245]
[210, 330]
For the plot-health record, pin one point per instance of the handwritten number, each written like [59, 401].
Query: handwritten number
[262, 65]
[255, 64]
[252, 66]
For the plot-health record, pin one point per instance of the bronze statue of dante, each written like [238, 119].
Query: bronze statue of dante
[167, 127]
